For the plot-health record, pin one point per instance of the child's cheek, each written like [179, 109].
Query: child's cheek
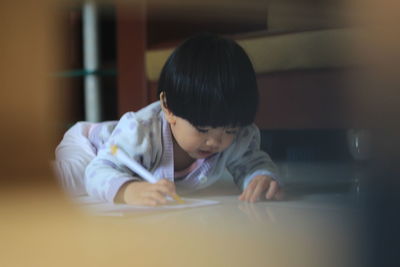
[227, 142]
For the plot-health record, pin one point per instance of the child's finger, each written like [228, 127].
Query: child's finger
[243, 194]
[261, 186]
[249, 190]
[158, 197]
[272, 190]
[246, 194]
[147, 202]
[165, 190]
[241, 197]
[166, 184]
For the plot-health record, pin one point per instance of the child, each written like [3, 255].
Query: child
[202, 125]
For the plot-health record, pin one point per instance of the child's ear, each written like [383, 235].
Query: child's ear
[171, 118]
[163, 100]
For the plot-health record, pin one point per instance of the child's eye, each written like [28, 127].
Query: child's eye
[232, 132]
[202, 130]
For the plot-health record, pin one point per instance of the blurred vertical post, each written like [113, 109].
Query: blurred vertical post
[91, 61]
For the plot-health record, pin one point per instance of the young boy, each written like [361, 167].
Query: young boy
[202, 125]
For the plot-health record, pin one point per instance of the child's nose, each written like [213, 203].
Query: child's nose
[214, 141]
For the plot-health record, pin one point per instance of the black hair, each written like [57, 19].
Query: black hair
[210, 81]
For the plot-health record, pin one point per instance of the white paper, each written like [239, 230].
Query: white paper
[110, 209]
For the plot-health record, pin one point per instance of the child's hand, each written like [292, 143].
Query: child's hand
[261, 186]
[144, 193]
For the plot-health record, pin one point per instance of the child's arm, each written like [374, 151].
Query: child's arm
[105, 175]
[252, 168]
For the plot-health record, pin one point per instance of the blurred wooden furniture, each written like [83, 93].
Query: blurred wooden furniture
[302, 76]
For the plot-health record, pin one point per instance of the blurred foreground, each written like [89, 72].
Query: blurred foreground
[39, 226]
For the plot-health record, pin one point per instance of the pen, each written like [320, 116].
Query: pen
[139, 169]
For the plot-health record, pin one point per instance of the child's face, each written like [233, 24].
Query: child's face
[201, 142]
[198, 142]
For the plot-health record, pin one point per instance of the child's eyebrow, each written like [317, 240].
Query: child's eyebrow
[222, 127]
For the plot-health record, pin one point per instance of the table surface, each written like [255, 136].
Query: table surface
[314, 226]
[310, 228]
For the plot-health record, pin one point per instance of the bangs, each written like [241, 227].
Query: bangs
[211, 113]
[211, 82]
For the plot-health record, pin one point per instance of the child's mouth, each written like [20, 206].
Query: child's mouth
[205, 153]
